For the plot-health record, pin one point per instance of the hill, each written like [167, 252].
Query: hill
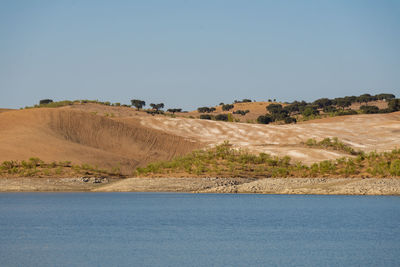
[82, 137]
[111, 136]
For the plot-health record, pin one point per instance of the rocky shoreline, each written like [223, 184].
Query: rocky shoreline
[323, 186]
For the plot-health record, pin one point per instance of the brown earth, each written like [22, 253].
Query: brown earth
[121, 136]
[82, 137]
[324, 186]
[5, 110]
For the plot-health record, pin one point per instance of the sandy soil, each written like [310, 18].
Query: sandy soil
[83, 137]
[51, 184]
[380, 132]
[324, 186]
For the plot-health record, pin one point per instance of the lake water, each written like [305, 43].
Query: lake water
[162, 229]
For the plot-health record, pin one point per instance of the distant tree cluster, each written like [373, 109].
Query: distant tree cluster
[45, 101]
[242, 101]
[222, 117]
[219, 117]
[157, 107]
[173, 110]
[241, 112]
[227, 107]
[206, 109]
[338, 106]
[276, 113]
[206, 117]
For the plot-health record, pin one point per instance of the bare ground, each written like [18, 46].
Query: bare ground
[323, 186]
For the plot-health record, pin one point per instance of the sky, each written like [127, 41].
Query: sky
[188, 54]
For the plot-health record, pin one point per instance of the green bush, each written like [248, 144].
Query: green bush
[205, 117]
[221, 117]
[264, 119]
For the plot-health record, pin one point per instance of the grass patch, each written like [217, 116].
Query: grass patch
[225, 161]
[34, 167]
[332, 144]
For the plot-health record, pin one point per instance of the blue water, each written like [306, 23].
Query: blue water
[161, 229]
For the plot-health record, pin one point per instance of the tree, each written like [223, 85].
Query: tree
[264, 119]
[296, 107]
[323, 102]
[394, 105]
[365, 98]
[288, 120]
[241, 112]
[173, 110]
[369, 109]
[343, 103]
[274, 108]
[157, 107]
[309, 111]
[329, 109]
[45, 101]
[205, 117]
[246, 100]
[221, 117]
[138, 103]
[227, 107]
[385, 96]
[205, 110]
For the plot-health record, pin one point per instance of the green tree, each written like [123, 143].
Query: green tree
[221, 117]
[138, 103]
[157, 107]
[343, 103]
[323, 102]
[369, 109]
[394, 105]
[173, 110]
[264, 119]
[45, 101]
[227, 107]
[309, 111]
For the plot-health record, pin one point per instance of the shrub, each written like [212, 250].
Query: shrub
[157, 107]
[173, 110]
[205, 117]
[346, 112]
[310, 111]
[205, 109]
[329, 109]
[45, 101]
[394, 105]
[227, 107]
[264, 119]
[221, 117]
[241, 112]
[243, 101]
[369, 109]
[274, 108]
[395, 167]
[288, 120]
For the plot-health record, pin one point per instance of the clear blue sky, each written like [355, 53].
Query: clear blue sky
[195, 53]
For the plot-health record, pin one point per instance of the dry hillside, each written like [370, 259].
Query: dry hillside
[82, 137]
[110, 136]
